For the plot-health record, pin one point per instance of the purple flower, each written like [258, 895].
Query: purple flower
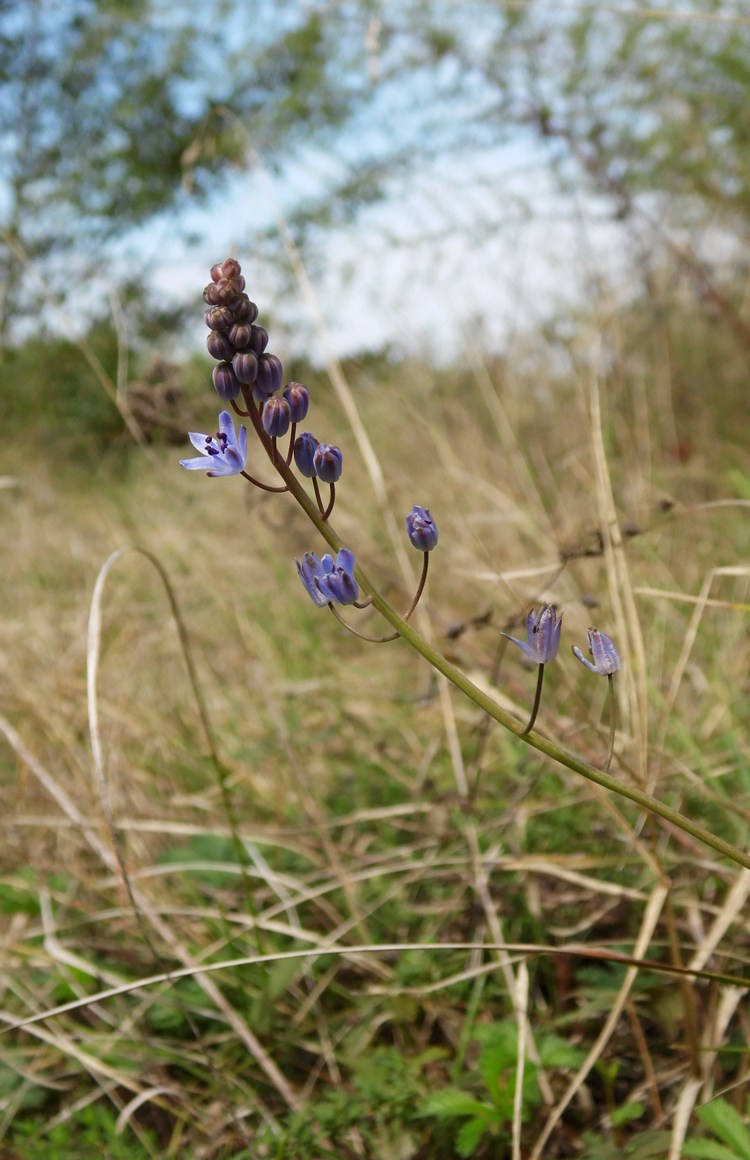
[542, 635]
[328, 462]
[227, 455]
[421, 529]
[606, 657]
[305, 446]
[327, 581]
[311, 572]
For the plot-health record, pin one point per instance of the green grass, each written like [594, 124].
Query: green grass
[339, 761]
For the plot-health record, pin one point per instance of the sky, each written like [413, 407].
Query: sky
[409, 276]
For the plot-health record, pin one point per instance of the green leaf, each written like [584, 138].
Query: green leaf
[709, 1150]
[623, 1115]
[451, 1102]
[727, 1123]
[468, 1139]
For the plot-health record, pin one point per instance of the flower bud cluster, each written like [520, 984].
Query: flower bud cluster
[239, 346]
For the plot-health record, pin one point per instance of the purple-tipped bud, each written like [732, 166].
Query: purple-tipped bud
[298, 398]
[216, 271]
[421, 529]
[229, 269]
[246, 311]
[211, 294]
[543, 629]
[602, 648]
[258, 339]
[305, 446]
[239, 335]
[219, 317]
[328, 462]
[245, 366]
[225, 381]
[219, 346]
[275, 417]
[270, 374]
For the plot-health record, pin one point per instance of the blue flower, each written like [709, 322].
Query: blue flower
[312, 572]
[227, 455]
[602, 648]
[542, 635]
[327, 581]
[421, 529]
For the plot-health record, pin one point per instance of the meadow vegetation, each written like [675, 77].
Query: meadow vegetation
[358, 919]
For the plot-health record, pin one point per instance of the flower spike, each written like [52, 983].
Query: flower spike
[227, 455]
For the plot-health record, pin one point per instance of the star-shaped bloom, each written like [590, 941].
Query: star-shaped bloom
[227, 454]
[542, 635]
[327, 581]
[606, 659]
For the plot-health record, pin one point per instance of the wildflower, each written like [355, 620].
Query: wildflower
[606, 662]
[311, 572]
[542, 635]
[421, 529]
[541, 646]
[327, 581]
[602, 648]
[227, 455]
[305, 446]
[328, 462]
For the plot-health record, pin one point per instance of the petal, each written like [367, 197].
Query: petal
[584, 660]
[528, 649]
[197, 464]
[200, 441]
[221, 465]
[345, 560]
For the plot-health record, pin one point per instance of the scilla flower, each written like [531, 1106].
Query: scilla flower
[542, 642]
[227, 455]
[327, 581]
[606, 659]
[421, 529]
[606, 662]
[541, 646]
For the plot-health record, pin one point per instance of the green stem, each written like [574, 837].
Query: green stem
[537, 700]
[489, 706]
[612, 720]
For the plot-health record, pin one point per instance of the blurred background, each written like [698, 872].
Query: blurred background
[456, 178]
